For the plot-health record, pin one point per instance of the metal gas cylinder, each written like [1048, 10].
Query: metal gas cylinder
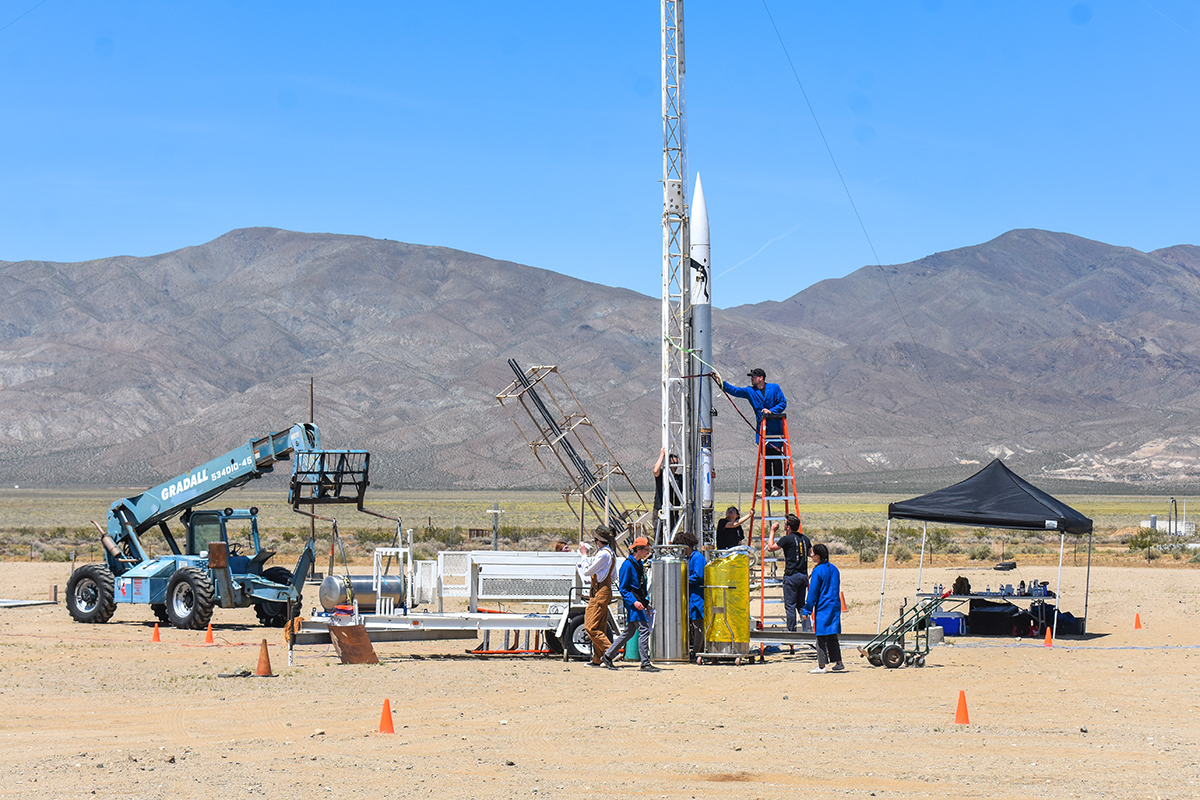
[669, 598]
[342, 589]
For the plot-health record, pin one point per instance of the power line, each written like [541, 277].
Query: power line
[18, 19]
[863, 226]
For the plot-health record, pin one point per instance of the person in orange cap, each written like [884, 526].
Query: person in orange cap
[632, 585]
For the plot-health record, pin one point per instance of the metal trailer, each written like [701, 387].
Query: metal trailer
[889, 647]
[483, 575]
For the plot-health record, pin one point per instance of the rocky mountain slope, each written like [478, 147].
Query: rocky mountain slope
[1074, 358]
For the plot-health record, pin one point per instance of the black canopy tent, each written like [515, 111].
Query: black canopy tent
[995, 497]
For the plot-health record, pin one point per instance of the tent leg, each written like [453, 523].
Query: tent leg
[1062, 546]
[1087, 586]
[882, 583]
[921, 563]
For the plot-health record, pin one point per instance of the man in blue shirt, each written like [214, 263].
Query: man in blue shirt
[766, 398]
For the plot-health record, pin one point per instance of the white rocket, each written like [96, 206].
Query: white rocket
[701, 297]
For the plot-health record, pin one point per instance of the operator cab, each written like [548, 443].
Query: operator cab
[205, 526]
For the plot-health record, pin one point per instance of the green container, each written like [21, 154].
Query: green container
[631, 648]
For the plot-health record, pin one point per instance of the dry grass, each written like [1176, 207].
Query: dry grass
[50, 524]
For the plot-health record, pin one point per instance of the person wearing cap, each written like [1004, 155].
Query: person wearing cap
[796, 548]
[766, 398]
[632, 584]
[598, 569]
[695, 571]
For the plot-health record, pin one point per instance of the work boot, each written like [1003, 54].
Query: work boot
[607, 662]
[650, 668]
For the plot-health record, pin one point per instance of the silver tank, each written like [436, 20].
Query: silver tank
[338, 589]
[668, 597]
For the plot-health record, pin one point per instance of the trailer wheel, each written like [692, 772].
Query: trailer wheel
[160, 612]
[576, 639]
[190, 599]
[90, 594]
[272, 614]
[892, 656]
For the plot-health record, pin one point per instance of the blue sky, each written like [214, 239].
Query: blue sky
[532, 131]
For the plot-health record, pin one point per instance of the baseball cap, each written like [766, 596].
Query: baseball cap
[640, 541]
[756, 373]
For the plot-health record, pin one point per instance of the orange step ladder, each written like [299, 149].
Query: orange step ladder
[775, 495]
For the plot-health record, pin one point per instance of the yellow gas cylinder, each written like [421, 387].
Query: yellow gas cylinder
[727, 604]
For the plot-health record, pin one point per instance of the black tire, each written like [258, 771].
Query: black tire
[576, 639]
[892, 656]
[875, 661]
[272, 614]
[90, 594]
[160, 612]
[190, 599]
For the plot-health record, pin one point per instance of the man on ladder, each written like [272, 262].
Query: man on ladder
[765, 398]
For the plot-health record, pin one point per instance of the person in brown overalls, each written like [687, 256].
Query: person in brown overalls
[599, 568]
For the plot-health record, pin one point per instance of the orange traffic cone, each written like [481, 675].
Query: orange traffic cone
[1049, 637]
[843, 594]
[960, 717]
[1137, 622]
[385, 720]
[156, 637]
[264, 662]
[208, 635]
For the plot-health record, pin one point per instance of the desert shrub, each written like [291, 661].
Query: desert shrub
[1194, 559]
[55, 555]
[838, 549]
[980, 552]
[374, 536]
[1031, 549]
[954, 548]
[868, 556]
[902, 554]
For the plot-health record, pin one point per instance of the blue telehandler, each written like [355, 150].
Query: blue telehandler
[207, 569]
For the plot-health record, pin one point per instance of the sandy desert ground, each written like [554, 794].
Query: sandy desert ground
[100, 711]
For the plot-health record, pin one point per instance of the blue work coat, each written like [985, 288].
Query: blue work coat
[631, 582]
[696, 585]
[770, 400]
[825, 595]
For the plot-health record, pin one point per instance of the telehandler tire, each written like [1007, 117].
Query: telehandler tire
[90, 594]
[190, 599]
[271, 614]
[160, 612]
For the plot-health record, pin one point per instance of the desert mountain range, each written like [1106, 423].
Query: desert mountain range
[1075, 360]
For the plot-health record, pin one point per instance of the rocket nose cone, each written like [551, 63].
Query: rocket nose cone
[699, 216]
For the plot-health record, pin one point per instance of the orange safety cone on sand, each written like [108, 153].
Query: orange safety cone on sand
[264, 662]
[960, 717]
[385, 720]
[208, 635]
[156, 637]
[843, 594]
[1049, 637]
[1137, 622]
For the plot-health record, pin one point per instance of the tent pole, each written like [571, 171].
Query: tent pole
[1087, 587]
[921, 563]
[1062, 546]
[887, 538]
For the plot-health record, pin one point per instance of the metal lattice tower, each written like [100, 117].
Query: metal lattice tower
[563, 432]
[676, 323]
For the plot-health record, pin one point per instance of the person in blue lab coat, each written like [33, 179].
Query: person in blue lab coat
[765, 398]
[825, 598]
[695, 570]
